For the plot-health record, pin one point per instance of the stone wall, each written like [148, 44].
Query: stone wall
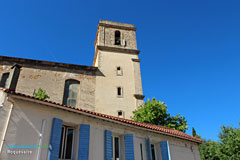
[107, 37]
[108, 57]
[107, 100]
[52, 79]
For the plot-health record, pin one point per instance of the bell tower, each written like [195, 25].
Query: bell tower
[119, 84]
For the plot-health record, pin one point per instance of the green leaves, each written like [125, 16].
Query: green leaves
[155, 112]
[41, 94]
[230, 142]
[194, 133]
[228, 148]
[209, 150]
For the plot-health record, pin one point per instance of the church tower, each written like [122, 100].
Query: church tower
[118, 83]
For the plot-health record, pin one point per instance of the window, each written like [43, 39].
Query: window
[141, 151]
[71, 92]
[153, 152]
[117, 38]
[121, 114]
[119, 71]
[4, 79]
[119, 91]
[66, 145]
[115, 148]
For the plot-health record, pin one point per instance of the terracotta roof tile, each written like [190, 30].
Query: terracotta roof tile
[166, 130]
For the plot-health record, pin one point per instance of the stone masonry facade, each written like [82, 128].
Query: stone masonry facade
[98, 84]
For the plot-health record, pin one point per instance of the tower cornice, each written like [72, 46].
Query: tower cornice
[117, 26]
[116, 49]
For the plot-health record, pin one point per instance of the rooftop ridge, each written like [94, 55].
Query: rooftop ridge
[46, 63]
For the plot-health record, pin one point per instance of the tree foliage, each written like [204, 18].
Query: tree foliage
[228, 148]
[209, 150]
[41, 94]
[155, 112]
[194, 133]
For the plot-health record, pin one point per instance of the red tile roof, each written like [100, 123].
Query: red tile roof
[160, 129]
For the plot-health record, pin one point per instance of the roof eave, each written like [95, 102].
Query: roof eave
[91, 114]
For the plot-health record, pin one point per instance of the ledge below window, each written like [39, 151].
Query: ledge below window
[136, 60]
[139, 96]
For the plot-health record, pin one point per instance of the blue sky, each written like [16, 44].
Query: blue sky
[189, 49]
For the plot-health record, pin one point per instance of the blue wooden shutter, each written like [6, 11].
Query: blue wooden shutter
[83, 148]
[129, 147]
[149, 151]
[108, 145]
[55, 139]
[165, 150]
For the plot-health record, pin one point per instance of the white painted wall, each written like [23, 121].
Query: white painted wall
[4, 110]
[137, 141]
[180, 151]
[26, 120]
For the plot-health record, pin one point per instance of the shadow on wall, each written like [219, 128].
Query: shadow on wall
[21, 131]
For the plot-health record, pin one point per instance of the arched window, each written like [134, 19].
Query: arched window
[117, 38]
[4, 79]
[71, 90]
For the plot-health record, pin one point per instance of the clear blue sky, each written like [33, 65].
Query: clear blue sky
[190, 50]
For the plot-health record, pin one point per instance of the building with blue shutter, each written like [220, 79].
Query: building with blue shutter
[88, 114]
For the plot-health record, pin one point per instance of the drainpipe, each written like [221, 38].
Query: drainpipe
[6, 126]
[40, 140]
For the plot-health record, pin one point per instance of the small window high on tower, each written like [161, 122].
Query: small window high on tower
[119, 71]
[117, 38]
[120, 114]
[119, 91]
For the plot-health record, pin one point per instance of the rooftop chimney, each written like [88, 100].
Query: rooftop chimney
[13, 77]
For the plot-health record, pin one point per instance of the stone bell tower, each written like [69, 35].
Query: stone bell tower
[118, 85]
